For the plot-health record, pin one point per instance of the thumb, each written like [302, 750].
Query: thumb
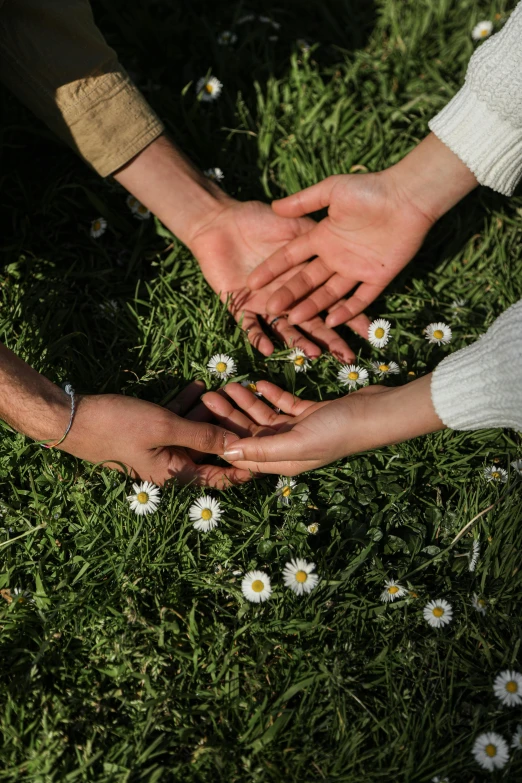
[285, 446]
[308, 200]
[200, 436]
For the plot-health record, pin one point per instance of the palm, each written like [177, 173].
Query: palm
[231, 246]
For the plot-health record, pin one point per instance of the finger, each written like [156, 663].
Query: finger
[230, 417]
[256, 336]
[363, 296]
[293, 338]
[293, 253]
[360, 325]
[306, 280]
[308, 200]
[286, 402]
[186, 399]
[322, 298]
[200, 436]
[328, 338]
[220, 477]
[255, 408]
[283, 447]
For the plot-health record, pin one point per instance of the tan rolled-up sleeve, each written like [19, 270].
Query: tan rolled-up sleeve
[57, 62]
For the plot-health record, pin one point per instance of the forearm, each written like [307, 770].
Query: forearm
[163, 179]
[29, 402]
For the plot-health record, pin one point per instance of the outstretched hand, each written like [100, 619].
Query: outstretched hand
[230, 246]
[371, 232]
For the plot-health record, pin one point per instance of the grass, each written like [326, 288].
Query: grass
[139, 659]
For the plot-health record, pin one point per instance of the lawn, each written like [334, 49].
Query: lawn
[134, 656]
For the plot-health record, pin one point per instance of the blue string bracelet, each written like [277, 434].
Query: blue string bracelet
[68, 389]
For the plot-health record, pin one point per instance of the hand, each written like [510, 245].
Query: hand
[375, 225]
[147, 440]
[369, 418]
[235, 240]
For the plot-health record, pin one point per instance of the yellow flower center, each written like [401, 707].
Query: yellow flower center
[208, 88]
[483, 33]
[481, 602]
[299, 360]
[221, 367]
[495, 474]
[252, 387]
[353, 375]
[206, 514]
[384, 367]
[313, 528]
[142, 209]
[142, 497]
[287, 491]
[438, 334]
[301, 576]
[96, 225]
[411, 373]
[438, 611]
[491, 750]
[257, 586]
[511, 686]
[393, 589]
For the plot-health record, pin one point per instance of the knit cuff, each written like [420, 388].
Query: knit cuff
[489, 145]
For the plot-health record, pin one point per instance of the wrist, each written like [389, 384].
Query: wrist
[432, 178]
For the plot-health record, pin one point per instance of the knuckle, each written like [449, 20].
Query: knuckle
[205, 438]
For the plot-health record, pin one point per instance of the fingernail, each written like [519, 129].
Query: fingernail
[233, 455]
[228, 440]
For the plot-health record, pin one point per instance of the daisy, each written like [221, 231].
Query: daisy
[482, 30]
[379, 332]
[516, 739]
[303, 45]
[352, 375]
[491, 751]
[300, 360]
[508, 688]
[436, 779]
[492, 473]
[479, 604]
[392, 591]
[227, 38]
[251, 386]
[141, 212]
[284, 489]
[438, 613]
[313, 528]
[222, 366]
[439, 333]
[256, 586]
[215, 174]
[21, 596]
[298, 576]
[473, 555]
[146, 498]
[132, 202]
[517, 466]
[208, 88]
[205, 513]
[457, 304]
[385, 368]
[98, 227]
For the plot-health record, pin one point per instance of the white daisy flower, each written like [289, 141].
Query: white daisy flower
[313, 528]
[146, 498]
[221, 365]
[251, 386]
[98, 227]
[352, 375]
[215, 174]
[284, 489]
[508, 688]
[303, 45]
[392, 591]
[227, 38]
[298, 576]
[482, 30]
[205, 513]
[208, 89]
[492, 473]
[438, 613]
[299, 359]
[439, 333]
[490, 751]
[385, 368]
[132, 202]
[516, 739]
[457, 304]
[479, 604]
[141, 212]
[256, 586]
[517, 466]
[379, 332]
[437, 779]
[21, 596]
[473, 555]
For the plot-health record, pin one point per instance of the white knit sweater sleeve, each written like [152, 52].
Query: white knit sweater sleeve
[480, 386]
[482, 124]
